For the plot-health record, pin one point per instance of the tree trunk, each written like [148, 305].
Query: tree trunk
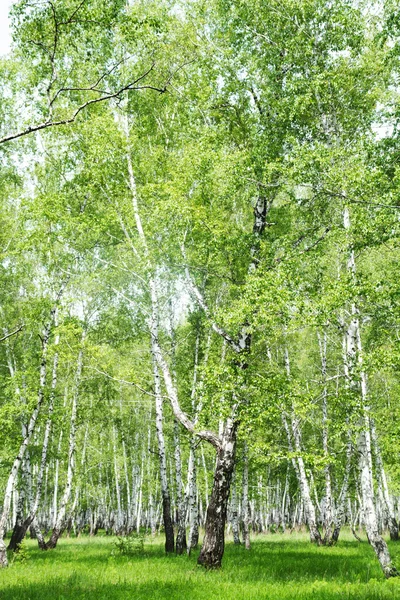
[383, 487]
[166, 499]
[341, 507]
[234, 510]
[18, 535]
[60, 522]
[245, 499]
[29, 431]
[369, 513]
[181, 544]
[328, 517]
[315, 536]
[192, 500]
[354, 354]
[213, 546]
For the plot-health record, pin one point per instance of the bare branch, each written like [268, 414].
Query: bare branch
[199, 297]
[124, 381]
[70, 18]
[306, 249]
[107, 96]
[8, 335]
[91, 88]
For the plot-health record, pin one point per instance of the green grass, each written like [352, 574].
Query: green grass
[284, 567]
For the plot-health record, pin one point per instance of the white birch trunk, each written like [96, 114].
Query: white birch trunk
[383, 486]
[20, 532]
[165, 493]
[328, 520]
[355, 358]
[119, 523]
[309, 507]
[60, 521]
[234, 510]
[245, 499]
[29, 432]
[192, 500]
[180, 544]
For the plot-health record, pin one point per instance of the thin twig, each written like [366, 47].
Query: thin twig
[12, 333]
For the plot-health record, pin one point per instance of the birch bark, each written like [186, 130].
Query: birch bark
[383, 486]
[29, 431]
[315, 536]
[166, 499]
[328, 520]
[20, 531]
[355, 359]
[245, 499]
[234, 510]
[60, 521]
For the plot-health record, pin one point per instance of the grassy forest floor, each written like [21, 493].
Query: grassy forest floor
[284, 567]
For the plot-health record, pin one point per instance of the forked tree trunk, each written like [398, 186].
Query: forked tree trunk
[213, 546]
[35, 529]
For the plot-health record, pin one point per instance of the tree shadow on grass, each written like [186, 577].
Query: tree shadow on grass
[67, 552]
[281, 561]
[180, 590]
[73, 589]
[268, 562]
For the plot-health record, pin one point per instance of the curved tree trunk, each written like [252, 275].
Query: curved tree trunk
[213, 546]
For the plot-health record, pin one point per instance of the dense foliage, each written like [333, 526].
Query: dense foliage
[199, 233]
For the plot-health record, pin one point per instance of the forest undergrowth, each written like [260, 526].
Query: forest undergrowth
[279, 566]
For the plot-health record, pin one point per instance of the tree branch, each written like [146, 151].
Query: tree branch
[179, 414]
[107, 96]
[199, 297]
[8, 335]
